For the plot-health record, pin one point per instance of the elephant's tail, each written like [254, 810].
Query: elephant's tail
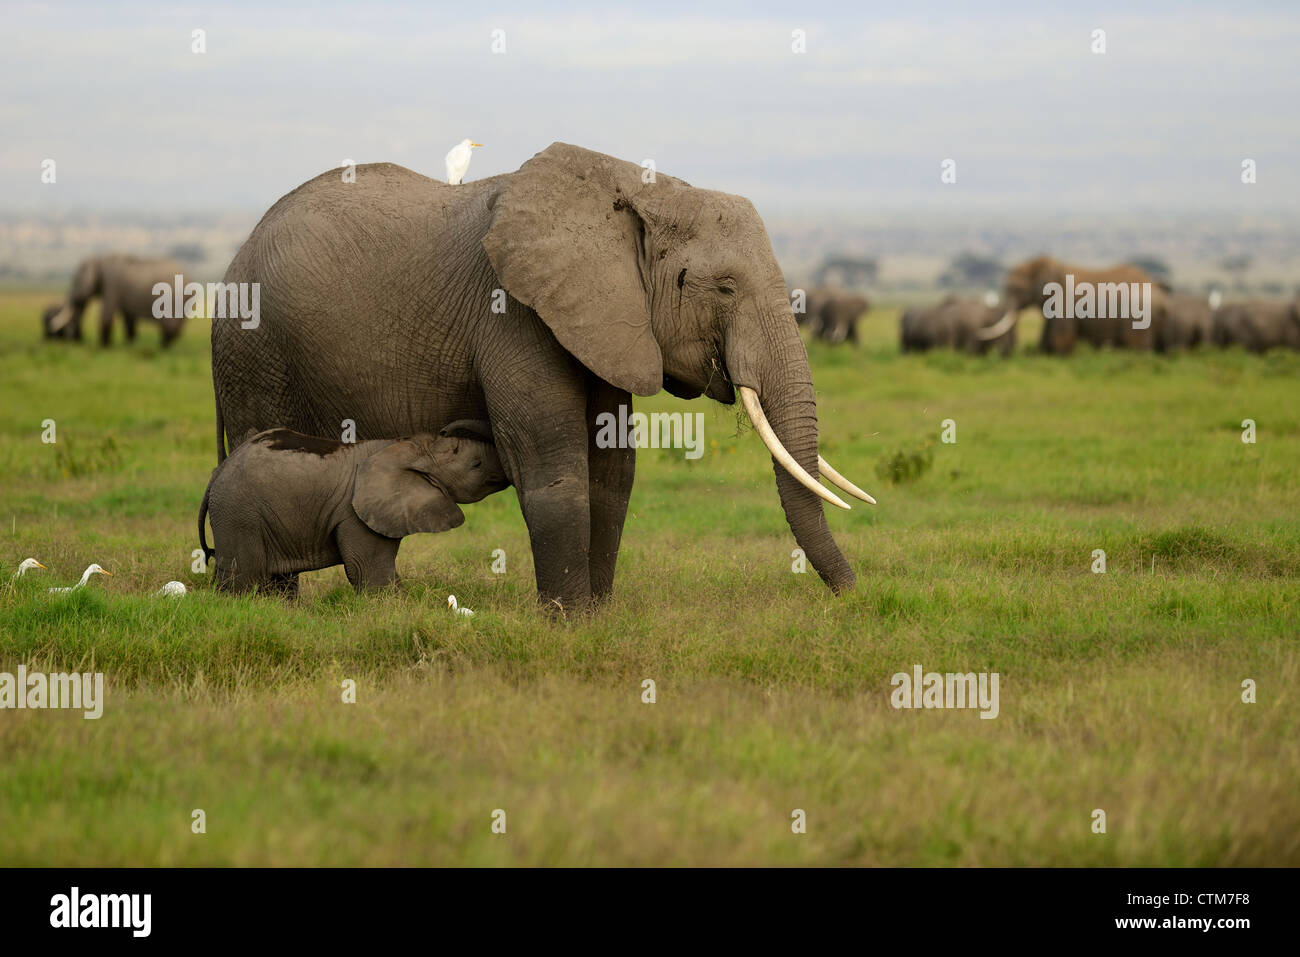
[203, 515]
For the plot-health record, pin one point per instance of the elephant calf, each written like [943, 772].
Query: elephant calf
[284, 502]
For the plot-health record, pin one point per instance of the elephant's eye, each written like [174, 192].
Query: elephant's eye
[476, 465]
[726, 289]
[681, 279]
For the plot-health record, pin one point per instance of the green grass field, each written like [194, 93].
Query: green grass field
[1120, 691]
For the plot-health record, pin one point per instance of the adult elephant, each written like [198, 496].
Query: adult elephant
[1188, 322]
[1027, 284]
[538, 300]
[838, 315]
[1258, 325]
[954, 323]
[124, 284]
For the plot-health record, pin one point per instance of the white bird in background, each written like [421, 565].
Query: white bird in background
[85, 577]
[173, 588]
[27, 565]
[1216, 299]
[458, 161]
[456, 609]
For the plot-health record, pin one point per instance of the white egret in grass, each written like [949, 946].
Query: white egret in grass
[85, 577]
[27, 565]
[458, 161]
[456, 609]
[173, 588]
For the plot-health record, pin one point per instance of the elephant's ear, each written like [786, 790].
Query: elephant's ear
[395, 500]
[567, 241]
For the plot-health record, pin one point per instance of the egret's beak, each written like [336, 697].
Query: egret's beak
[39, 565]
[472, 143]
[105, 571]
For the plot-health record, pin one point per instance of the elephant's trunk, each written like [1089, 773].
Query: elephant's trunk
[776, 385]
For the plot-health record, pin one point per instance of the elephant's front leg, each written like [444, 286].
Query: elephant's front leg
[369, 560]
[610, 472]
[558, 514]
[537, 404]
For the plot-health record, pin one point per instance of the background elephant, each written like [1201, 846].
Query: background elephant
[539, 300]
[837, 316]
[285, 503]
[1258, 325]
[807, 312]
[1026, 284]
[1188, 322]
[954, 323]
[124, 284]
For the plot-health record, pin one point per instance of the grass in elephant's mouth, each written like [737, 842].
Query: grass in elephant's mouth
[1119, 691]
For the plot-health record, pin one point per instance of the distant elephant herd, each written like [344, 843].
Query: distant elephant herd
[1175, 321]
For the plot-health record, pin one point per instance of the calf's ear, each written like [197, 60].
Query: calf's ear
[395, 500]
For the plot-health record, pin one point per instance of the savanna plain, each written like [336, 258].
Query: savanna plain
[1119, 691]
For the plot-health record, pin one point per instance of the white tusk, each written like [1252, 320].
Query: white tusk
[998, 328]
[837, 479]
[749, 398]
[61, 319]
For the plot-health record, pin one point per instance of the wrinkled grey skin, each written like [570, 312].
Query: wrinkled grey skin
[953, 324]
[1188, 322]
[124, 284]
[377, 305]
[1258, 325]
[284, 503]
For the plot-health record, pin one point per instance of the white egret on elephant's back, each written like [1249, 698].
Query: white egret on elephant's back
[458, 161]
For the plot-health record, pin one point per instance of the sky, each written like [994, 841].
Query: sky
[863, 120]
